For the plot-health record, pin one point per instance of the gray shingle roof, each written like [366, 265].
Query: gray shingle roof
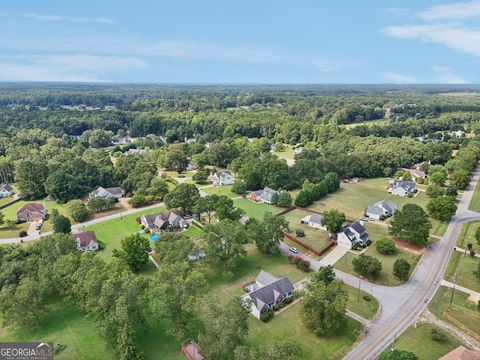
[265, 278]
[269, 293]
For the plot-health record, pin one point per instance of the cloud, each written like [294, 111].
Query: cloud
[80, 68]
[398, 11]
[45, 17]
[463, 10]
[396, 78]
[448, 76]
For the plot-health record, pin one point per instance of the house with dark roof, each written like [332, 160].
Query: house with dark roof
[223, 178]
[32, 212]
[402, 188]
[265, 196]
[314, 221]
[352, 234]
[106, 193]
[267, 292]
[167, 220]
[86, 241]
[6, 190]
[381, 209]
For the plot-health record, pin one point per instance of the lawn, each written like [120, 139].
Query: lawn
[467, 234]
[6, 199]
[315, 238]
[475, 202]
[462, 313]
[359, 304]
[225, 190]
[288, 325]
[461, 270]
[287, 154]
[419, 341]
[111, 232]
[255, 210]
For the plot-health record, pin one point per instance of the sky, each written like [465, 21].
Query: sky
[248, 41]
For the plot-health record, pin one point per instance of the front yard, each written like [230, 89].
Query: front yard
[256, 210]
[461, 270]
[225, 190]
[475, 202]
[467, 234]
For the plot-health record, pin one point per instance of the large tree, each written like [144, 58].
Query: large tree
[412, 224]
[367, 266]
[183, 197]
[442, 208]
[268, 232]
[394, 354]
[61, 224]
[134, 251]
[333, 220]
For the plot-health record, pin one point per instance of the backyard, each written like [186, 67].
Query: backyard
[461, 270]
[225, 190]
[256, 210]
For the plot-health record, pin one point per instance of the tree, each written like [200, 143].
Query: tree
[158, 188]
[134, 251]
[278, 350]
[63, 187]
[283, 199]
[401, 269]
[62, 224]
[225, 209]
[460, 179]
[225, 328]
[183, 197]
[206, 204]
[326, 274]
[201, 177]
[30, 176]
[225, 243]
[77, 210]
[385, 246]
[434, 191]
[303, 199]
[477, 235]
[367, 266]
[438, 178]
[175, 291]
[333, 220]
[412, 224]
[96, 204]
[174, 247]
[138, 200]
[323, 307]
[176, 160]
[442, 208]
[2, 218]
[239, 187]
[394, 354]
[268, 233]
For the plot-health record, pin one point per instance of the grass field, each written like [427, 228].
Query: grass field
[358, 303]
[111, 232]
[370, 122]
[315, 238]
[419, 341]
[475, 202]
[225, 190]
[6, 199]
[288, 154]
[353, 198]
[462, 313]
[256, 210]
[467, 234]
[461, 269]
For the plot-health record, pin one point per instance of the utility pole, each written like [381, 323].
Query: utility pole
[358, 293]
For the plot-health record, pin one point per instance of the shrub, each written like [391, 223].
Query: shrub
[472, 253]
[367, 266]
[239, 188]
[367, 298]
[267, 315]
[22, 233]
[438, 335]
[303, 265]
[385, 246]
[78, 210]
[283, 199]
[138, 201]
[401, 269]
[288, 300]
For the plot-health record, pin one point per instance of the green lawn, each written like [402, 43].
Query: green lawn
[225, 190]
[287, 154]
[475, 202]
[419, 341]
[359, 304]
[315, 238]
[461, 270]
[462, 313]
[467, 234]
[288, 325]
[111, 232]
[256, 210]
[5, 200]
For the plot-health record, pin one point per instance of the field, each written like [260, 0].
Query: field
[462, 313]
[113, 231]
[256, 210]
[288, 154]
[353, 198]
[461, 270]
[475, 202]
[467, 234]
[358, 303]
[419, 341]
[225, 190]
[315, 238]
[367, 123]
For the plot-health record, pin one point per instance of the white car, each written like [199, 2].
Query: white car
[293, 250]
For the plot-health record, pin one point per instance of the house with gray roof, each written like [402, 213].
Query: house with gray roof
[264, 196]
[380, 209]
[402, 188]
[352, 234]
[223, 178]
[268, 292]
[6, 190]
[314, 221]
[106, 193]
[167, 220]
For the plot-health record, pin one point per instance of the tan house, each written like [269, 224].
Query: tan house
[31, 212]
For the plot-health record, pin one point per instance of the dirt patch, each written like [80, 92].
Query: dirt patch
[409, 247]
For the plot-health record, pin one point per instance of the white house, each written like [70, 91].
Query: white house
[380, 209]
[351, 235]
[6, 190]
[223, 178]
[314, 221]
[402, 188]
[264, 196]
[106, 193]
[86, 241]
[267, 292]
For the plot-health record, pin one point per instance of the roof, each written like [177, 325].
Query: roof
[313, 218]
[269, 293]
[265, 278]
[381, 206]
[32, 207]
[85, 238]
[103, 192]
[7, 187]
[406, 185]
[418, 173]
[461, 353]
[354, 228]
[160, 219]
[266, 193]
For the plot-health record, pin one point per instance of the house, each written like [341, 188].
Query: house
[86, 241]
[223, 178]
[418, 174]
[264, 196]
[6, 190]
[402, 188]
[382, 208]
[314, 221]
[167, 220]
[457, 134]
[32, 212]
[106, 193]
[124, 140]
[461, 353]
[133, 152]
[267, 292]
[352, 235]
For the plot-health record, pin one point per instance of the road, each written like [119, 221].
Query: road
[401, 305]
[37, 236]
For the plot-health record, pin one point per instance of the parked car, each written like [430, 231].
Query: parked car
[300, 233]
[294, 250]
